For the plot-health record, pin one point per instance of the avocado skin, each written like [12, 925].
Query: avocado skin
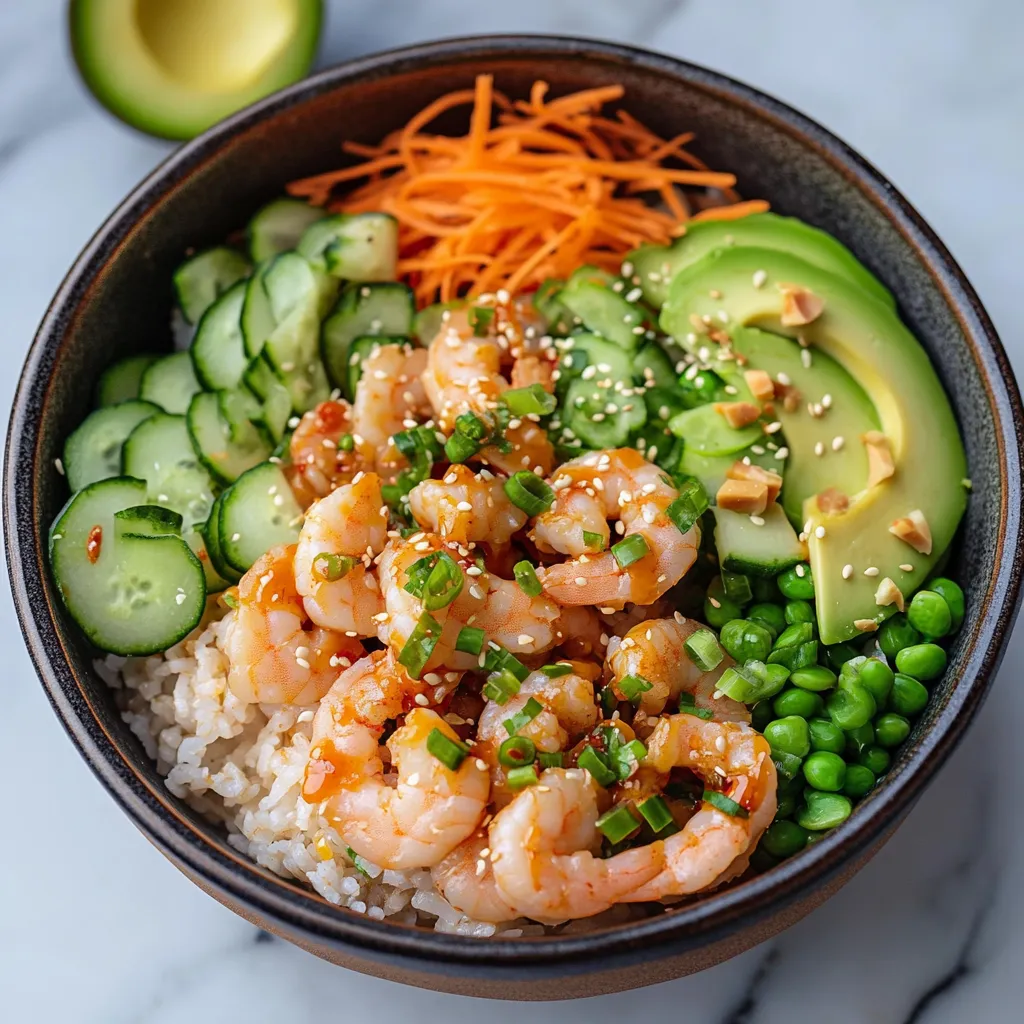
[872, 344]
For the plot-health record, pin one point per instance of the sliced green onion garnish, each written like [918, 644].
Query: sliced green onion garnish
[556, 671]
[498, 658]
[593, 540]
[688, 706]
[691, 504]
[618, 823]
[470, 425]
[346, 442]
[420, 439]
[592, 761]
[531, 709]
[333, 567]
[480, 318]
[470, 640]
[788, 765]
[703, 649]
[501, 686]
[630, 550]
[532, 399]
[517, 751]
[418, 572]
[552, 760]
[629, 752]
[736, 587]
[357, 862]
[529, 492]
[420, 645]
[451, 753]
[520, 778]
[723, 803]
[444, 583]
[459, 448]
[752, 681]
[656, 813]
[608, 700]
[632, 686]
[526, 577]
[229, 599]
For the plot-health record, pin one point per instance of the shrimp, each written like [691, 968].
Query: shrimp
[731, 757]
[579, 631]
[389, 396]
[621, 484]
[430, 809]
[324, 452]
[350, 522]
[273, 658]
[467, 508]
[544, 852]
[655, 651]
[466, 880]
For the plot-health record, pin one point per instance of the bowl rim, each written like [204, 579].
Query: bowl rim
[297, 909]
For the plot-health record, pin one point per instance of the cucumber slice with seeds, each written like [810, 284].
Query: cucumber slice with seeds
[121, 381]
[226, 449]
[218, 351]
[353, 246]
[93, 451]
[200, 280]
[131, 593]
[257, 512]
[170, 382]
[600, 418]
[278, 226]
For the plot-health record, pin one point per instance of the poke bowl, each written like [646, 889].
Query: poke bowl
[519, 516]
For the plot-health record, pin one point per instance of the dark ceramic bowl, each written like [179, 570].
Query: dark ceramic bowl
[116, 300]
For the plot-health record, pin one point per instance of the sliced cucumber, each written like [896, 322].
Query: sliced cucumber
[426, 324]
[278, 226]
[359, 350]
[160, 452]
[121, 381]
[707, 431]
[170, 382]
[147, 521]
[204, 277]
[131, 594]
[545, 300]
[603, 311]
[353, 247]
[652, 362]
[277, 403]
[257, 512]
[710, 470]
[607, 358]
[599, 417]
[757, 550]
[211, 538]
[215, 582]
[226, 449]
[364, 310]
[93, 451]
[218, 351]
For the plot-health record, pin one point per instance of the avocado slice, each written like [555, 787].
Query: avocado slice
[174, 67]
[870, 342]
[656, 265]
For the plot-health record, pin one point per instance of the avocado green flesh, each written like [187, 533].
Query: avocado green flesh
[868, 340]
[655, 266]
[174, 67]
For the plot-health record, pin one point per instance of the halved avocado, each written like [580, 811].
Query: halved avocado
[174, 67]
[871, 343]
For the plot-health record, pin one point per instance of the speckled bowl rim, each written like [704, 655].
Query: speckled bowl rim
[295, 908]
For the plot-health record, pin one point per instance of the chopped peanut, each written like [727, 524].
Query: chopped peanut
[832, 501]
[799, 306]
[791, 398]
[741, 471]
[747, 496]
[738, 414]
[762, 387]
[888, 593]
[880, 464]
[865, 625]
[913, 529]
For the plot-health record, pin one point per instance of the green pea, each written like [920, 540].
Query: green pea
[797, 583]
[784, 838]
[790, 796]
[826, 735]
[850, 707]
[816, 678]
[790, 735]
[798, 702]
[764, 589]
[951, 593]
[799, 611]
[787, 765]
[859, 781]
[823, 810]
[929, 614]
[895, 634]
[795, 647]
[858, 740]
[839, 654]
[825, 771]
[771, 616]
[891, 730]
[922, 661]
[746, 640]
[761, 714]
[719, 609]
[876, 677]
[909, 697]
[850, 672]
[875, 758]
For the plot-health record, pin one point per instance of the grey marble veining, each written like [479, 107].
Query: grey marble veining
[96, 927]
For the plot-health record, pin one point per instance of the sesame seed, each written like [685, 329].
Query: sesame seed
[713, 602]
[757, 520]
[847, 571]
[759, 278]
[59, 466]
[819, 448]
[302, 663]
[837, 443]
[871, 570]
[800, 571]
[783, 379]
[720, 744]
[819, 532]
[906, 567]
[421, 699]
[464, 506]
[581, 581]
[525, 639]
[805, 358]
[773, 428]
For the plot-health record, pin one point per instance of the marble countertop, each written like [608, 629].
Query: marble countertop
[95, 926]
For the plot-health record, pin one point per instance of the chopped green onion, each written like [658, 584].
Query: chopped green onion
[592, 761]
[498, 658]
[229, 599]
[420, 645]
[459, 448]
[333, 567]
[451, 753]
[420, 439]
[546, 760]
[620, 757]
[444, 583]
[517, 751]
[532, 399]
[633, 751]
[752, 681]
[632, 686]
[526, 577]
[531, 709]
[704, 650]
[346, 442]
[723, 803]
[688, 706]
[470, 640]
[788, 765]
[691, 504]
[501, 687]
[418, 572]
[480, 318]
[608, 700]
[520, 778]
[357, 862]
[656, 813]
[529, 492]
[618, 823]
[593, 540]
[736, 587]
[630, 550]
[556, 671]
[471, 426]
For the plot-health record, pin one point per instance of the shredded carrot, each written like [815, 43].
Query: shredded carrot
[535, 189]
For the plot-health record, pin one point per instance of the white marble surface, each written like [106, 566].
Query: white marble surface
[95, 926]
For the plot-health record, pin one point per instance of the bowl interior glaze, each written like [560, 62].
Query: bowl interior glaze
[117, 298]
